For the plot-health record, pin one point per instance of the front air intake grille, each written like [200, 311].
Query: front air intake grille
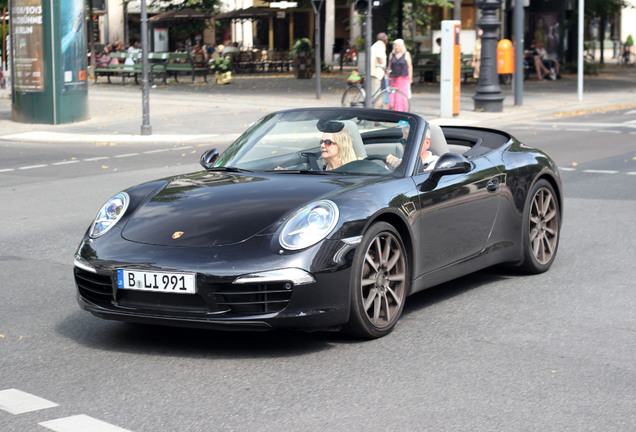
[254, 299]
[93, 287]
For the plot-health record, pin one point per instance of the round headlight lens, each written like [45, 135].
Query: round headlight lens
[309, 225]
[109, 214]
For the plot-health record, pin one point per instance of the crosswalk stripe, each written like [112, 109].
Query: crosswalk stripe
[18, 402]
[80, 423]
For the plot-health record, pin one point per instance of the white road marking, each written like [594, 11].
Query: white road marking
[155, 151]
[96, 158]
[32, 167]
[127, 155]
[609, 131]
[80, 423]
[7, 170]
[577, 130]
[579, 124]
[631, 173]
[600, 171]
[18, 402]
[567, 169]
[48, 136]
[66, 162]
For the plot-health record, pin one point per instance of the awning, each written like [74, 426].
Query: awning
[245, 14]
[179, 15]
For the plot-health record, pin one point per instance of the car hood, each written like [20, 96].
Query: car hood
[214, 209]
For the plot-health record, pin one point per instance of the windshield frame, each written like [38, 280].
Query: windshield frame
[298, 131]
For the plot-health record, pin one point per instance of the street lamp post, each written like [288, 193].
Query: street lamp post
[317, 8]
[146, 129]
[489, 97]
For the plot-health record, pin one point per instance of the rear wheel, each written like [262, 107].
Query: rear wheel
[392, 99]
[353, 97]
[379, 283]
[541, 228]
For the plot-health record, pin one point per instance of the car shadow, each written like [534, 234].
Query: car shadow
[115, 336]
[423, 299]
[98, 334]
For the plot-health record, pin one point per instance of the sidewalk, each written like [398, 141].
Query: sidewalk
[203, 113]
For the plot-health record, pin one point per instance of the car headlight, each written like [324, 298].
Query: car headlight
[110, 213]
[309, 225]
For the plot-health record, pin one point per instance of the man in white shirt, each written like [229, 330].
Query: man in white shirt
[428, 159]
[378, 61]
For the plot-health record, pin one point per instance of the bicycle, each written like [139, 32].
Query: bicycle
[384, 98]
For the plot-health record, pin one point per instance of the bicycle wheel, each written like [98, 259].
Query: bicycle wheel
[391, 99]
[353, 97]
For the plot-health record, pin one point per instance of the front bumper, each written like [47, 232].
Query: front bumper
[306, 290]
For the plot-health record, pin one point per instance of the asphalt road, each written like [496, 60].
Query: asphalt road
[492, 351]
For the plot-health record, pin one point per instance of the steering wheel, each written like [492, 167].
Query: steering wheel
[312, 158]
[376, 157]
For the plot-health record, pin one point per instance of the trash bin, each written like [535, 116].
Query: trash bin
[505, 61]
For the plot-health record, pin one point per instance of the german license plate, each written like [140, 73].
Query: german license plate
[174, 283]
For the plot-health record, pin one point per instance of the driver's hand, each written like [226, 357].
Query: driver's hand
[393, 162]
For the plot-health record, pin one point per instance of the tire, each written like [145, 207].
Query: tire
[353, 97]
[378, 286]
[383, 99]
[541, 228]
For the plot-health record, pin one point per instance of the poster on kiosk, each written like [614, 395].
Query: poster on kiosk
[450, 83]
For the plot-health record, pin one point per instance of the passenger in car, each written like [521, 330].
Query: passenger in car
[428, 159]
[337, 149]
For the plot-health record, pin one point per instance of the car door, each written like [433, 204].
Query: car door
[456, 214]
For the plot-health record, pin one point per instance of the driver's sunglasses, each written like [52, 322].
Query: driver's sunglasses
[327, 142]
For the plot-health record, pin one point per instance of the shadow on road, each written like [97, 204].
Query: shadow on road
[114, 336]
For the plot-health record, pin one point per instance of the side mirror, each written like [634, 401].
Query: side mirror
[447, 164]
[208, 158]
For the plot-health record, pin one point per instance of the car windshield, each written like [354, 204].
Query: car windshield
[325, 141]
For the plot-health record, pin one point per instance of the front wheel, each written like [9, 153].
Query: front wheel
[353, 97]
[379, 283]
[541, 228]
[392, 99]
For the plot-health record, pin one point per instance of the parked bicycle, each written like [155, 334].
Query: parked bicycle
[385, 97]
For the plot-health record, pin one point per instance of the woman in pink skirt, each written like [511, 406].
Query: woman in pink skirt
[401, 74]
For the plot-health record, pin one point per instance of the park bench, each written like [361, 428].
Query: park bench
[183, 63]
[429, 65]
[426, 65]
[116, 68]
[156, 66]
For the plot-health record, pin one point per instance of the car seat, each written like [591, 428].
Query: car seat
[358, 144]
[438, 140]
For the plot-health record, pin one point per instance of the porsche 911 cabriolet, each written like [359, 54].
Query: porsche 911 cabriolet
[320, 219]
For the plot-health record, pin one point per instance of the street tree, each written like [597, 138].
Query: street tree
[210, 7]
[406, 14]
[604, 11]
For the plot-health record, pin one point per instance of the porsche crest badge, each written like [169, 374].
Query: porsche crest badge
[177, 234]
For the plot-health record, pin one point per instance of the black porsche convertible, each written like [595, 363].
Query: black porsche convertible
[320, 219]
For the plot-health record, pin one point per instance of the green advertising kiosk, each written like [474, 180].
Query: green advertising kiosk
[50, 83]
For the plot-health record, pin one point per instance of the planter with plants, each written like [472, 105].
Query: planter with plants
[303, 55]
[222, 68]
